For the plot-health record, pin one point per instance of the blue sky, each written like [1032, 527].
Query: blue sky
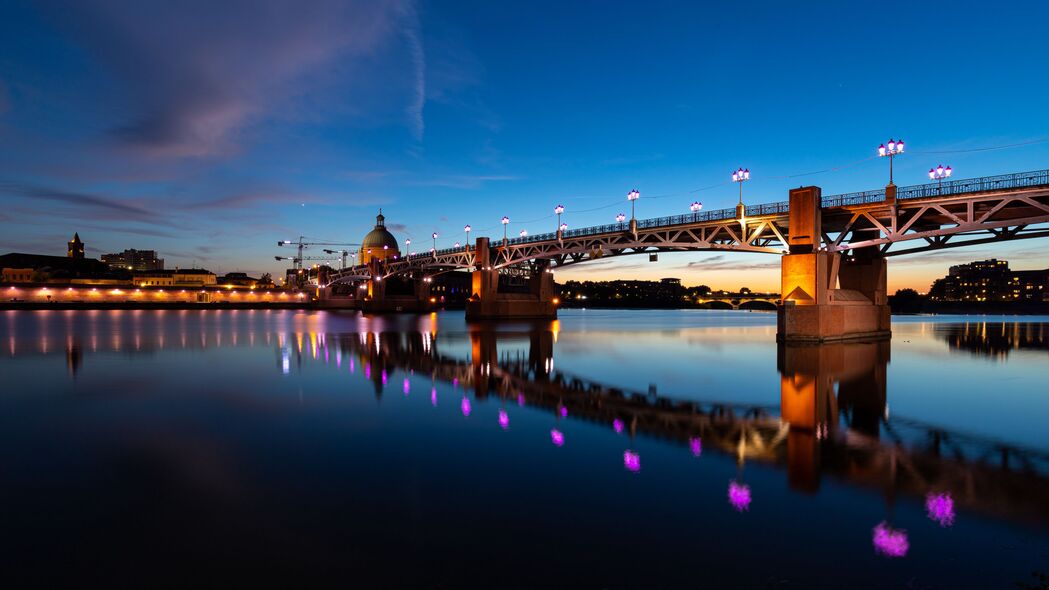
[208, 130]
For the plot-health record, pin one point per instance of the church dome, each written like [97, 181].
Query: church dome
[379, 243]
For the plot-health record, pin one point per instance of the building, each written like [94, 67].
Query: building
[19, 267]
[135, 260]
[180, 277]
[75, 248]
[990, 280]
[237, 279]
[379, 243]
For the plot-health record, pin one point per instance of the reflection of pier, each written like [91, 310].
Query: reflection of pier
[831, 420]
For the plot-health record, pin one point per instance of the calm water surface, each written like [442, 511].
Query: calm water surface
[609, 449]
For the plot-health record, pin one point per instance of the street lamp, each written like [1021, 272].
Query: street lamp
[741, 176]
[467, 230]
[695, 207]
[620, 218]
[457, 245]
[408, 247]
[633, 196]
[563, 227]
[524, 233]
[505, 221]
[559, 210]
[434, 241]
[892, 149]
[938, 174]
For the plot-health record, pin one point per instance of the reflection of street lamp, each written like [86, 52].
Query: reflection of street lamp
[506, 221]
[559, 210]
[893, 149]
[632, 196]
[695, 207]
[938, 174]
[467, 230]
[741, 176]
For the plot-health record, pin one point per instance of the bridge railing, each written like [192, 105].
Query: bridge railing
[975, 185]
[932, 189]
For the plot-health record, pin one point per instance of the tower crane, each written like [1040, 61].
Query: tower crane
[302, 244]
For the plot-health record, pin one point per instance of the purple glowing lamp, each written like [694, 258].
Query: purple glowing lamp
[940, 508]
[890, 542]
[631, 461]
[557, 437]
[696, 446]
[739, 496]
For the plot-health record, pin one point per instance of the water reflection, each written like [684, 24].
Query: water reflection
[996, 339]
[831, 423]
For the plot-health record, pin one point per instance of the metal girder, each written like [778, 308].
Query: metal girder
[1002, 208]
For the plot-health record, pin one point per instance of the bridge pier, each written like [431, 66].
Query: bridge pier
[487, 303]
[825, 296]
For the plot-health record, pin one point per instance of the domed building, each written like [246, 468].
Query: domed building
[379, 244]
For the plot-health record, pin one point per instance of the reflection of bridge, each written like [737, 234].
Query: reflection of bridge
[831, 419]
[834, 249]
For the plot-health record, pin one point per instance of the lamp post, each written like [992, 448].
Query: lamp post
[434, 241]
[890, 150]
[938, 174]
[559, 210]
[408, 247]
[505, 221]
[741, 176]
[632, 196]
[620, 218]
[563, 227]
[524, 233]
[467, 230]
[695, 207]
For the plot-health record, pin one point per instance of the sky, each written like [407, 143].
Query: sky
[209, 130]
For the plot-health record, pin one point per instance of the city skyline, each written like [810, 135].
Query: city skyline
[208, 147]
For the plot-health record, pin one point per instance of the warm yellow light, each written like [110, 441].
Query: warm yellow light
[557, 301]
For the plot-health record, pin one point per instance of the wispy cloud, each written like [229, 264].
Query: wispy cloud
[464, 181]
[111, 208]
[723, 262]
[198, 72]
[412, 36]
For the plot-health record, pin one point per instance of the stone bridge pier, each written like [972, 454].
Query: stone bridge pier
[378, 300]
[828, 297]
[487, 303]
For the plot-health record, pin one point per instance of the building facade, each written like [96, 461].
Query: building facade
[180, 277]
[991, 280]
[134, 260]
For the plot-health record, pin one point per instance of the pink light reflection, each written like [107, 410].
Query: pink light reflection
[384, 377]
[407, 386]
[940, 508]
[504, 419]
[617, 425]
[632, 461]
[433, 396]
[563, 412]
[465, 406]
[696, 446]
[890, 542]
[557, 437]
[739, 496]
[352, 367]
[520, 399]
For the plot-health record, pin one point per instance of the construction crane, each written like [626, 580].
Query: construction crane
[302, 244]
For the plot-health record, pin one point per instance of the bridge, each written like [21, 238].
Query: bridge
[833, 249]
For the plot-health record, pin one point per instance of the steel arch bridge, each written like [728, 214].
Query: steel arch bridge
[896, 221]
